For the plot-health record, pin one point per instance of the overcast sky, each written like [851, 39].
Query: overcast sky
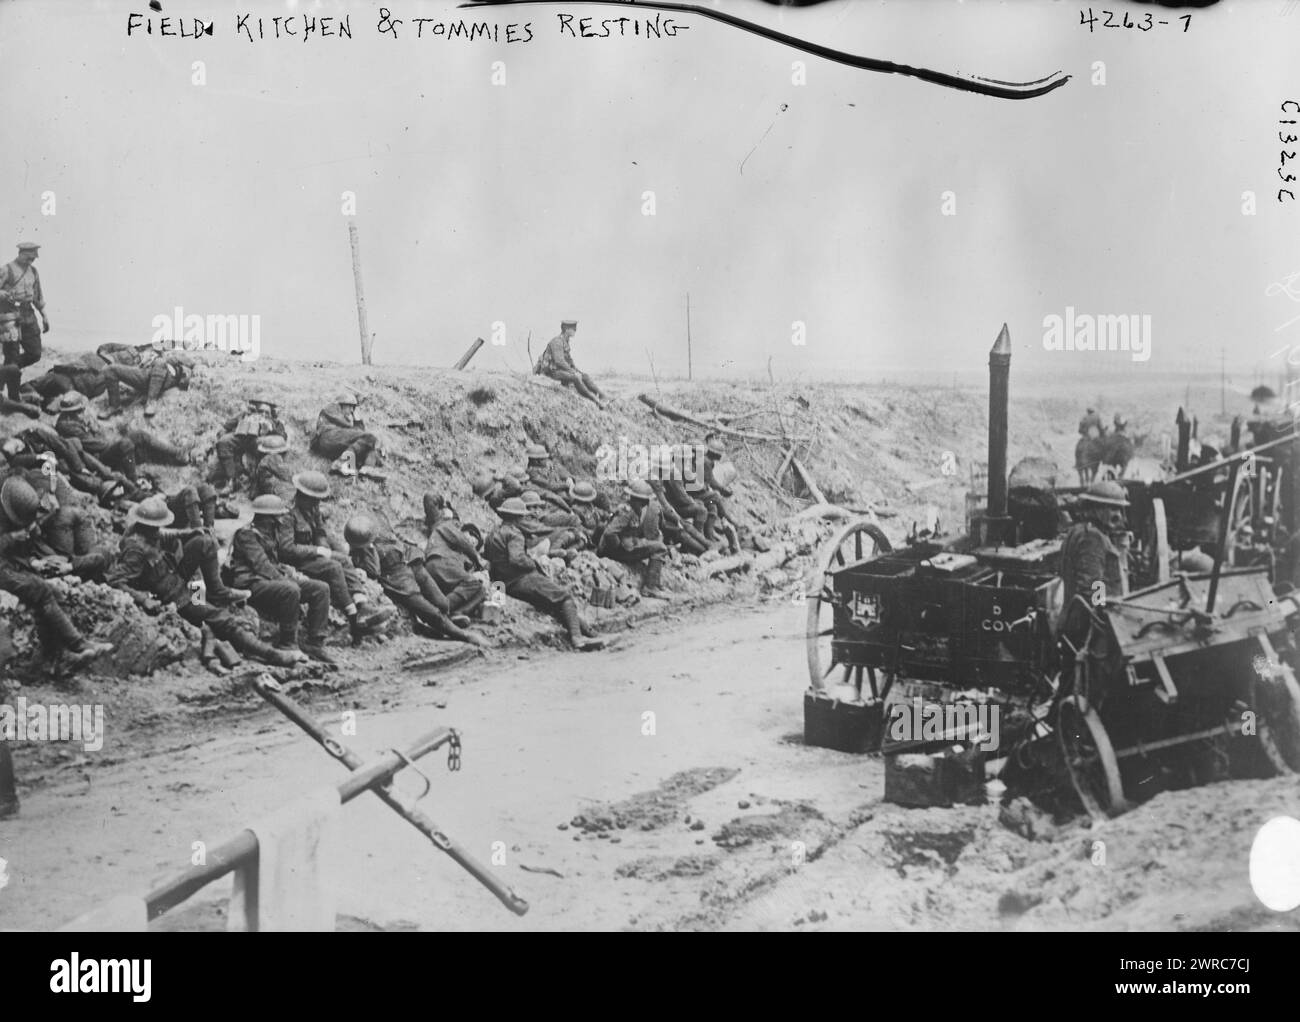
[522, 202]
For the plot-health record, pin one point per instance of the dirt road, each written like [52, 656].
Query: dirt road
[676, 768]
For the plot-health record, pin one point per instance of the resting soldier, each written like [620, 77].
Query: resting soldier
[386, 561]
[541, 476]
[583, 498]
[20, 567]
[450, 556]
[341, 436]
[510, 564]
[556, 362]
[562, 530]
[277, 589]
[272, 473]
[156, 564]
[170, 369]
[305, 544]
[634, 535]
[239, 437]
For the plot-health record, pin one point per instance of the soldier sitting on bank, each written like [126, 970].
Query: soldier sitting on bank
[239, 437]
[523, 579]
[388, 563]
[155, 565]
[542, 477]
[634, 535]
[585, 501]
[561, 530]
[556, 361]
[450, 556]
[341, 436]
[272, 475]
[277, 589]
[21, 568]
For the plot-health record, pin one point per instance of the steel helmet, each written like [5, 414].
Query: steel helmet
[311, 483]
[270, 504]
[513, 507]
[484, 482]
[532, 498]
[1108, 492]
[19, 501]
[70, 403]
[583, 492]
[1120, 421]
[153, 512]
[639, 489]
[716, 448]
[536, 452]
[12, 447]
[434, 506]
[346, 399]
[272, 443]
[360, 530]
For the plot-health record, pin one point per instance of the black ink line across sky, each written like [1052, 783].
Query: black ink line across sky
[967, 83]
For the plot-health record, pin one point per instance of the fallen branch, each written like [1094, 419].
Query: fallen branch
[808, 481]
[773, 558]
[473, 350]
[679, 416]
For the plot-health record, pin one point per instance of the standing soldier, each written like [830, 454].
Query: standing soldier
[304, 544]
[450, 556]
[1088, 555]
[717, 488]
[239, 437]
[341, 436]
[20, 529]
[556, 361]
[634, 535]
[509, 563]
[22, 309]
[276, 589]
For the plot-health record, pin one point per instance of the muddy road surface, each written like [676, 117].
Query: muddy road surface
[660, 785]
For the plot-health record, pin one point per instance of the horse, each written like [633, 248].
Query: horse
[1088, 457]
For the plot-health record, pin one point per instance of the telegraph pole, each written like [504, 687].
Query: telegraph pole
[367, 338]
[688, 335]
[1223, 382]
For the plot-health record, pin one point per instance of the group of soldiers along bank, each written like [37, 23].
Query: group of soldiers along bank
[285, 563]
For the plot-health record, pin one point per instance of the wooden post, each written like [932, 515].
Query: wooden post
[367, 338]
[999, 395]
[473, 350]
[688, 335]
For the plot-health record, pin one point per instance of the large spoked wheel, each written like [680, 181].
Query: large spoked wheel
[1153, 557]
[855, 542]
[1240, 511]
[1089, 758]
[1278, 728]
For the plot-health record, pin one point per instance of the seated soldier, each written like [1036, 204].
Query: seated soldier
[541, 476]
[272, 475]
[562, 530]
[21, 565]
[341, 436]
[155, 566]
[67, 531]
[450, 556]
[583, 498]
[496, 487]
[510, 564]
[677, 532]
[122, 453]
[386, 561]
[277, 589]
[305, 544]
[633, 535]
[556, 361]
[239, 437]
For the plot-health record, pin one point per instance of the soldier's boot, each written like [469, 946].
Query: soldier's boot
[315, 649]
[733, 537]
[287, 643]
[89, 650]
[368, 620]
[228, 655]
[226, 596]
[8, 787]
[573, 622]
[469, 607]
[345, 464]
[208, 652]
[208, 508]
[246, 642]
[653, 585]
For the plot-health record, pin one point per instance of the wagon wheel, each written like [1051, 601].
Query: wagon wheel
[1239, 511]
[1277, 698]
[855, 542]
[1154, 564]
[1089, 758]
